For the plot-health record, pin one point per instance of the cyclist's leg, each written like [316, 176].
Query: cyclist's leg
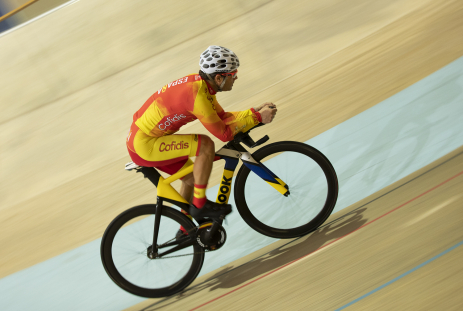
[204, 160]
[164, 151]
[203, 148]
[168, 154]
[205, 153]
[202, 170]
[202, 208]
[186, 189]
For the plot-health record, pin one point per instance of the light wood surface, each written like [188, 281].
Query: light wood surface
[62, 141]
[381, 250]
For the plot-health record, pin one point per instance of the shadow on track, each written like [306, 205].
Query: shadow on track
[230, 277]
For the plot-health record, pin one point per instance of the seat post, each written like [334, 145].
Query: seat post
[152, 174]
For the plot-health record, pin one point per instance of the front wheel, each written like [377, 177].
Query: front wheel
[127, 241]
[312, 185]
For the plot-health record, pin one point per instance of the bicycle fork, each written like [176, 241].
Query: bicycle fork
[231, 157]
[268, 176]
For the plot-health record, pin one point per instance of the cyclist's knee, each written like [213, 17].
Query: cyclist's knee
[207, 146]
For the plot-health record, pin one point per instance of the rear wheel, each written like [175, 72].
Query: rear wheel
[313, 191]
[127, 241]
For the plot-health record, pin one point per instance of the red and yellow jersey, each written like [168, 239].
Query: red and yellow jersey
[185, 100]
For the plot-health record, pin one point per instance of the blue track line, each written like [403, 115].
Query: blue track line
[401, 276]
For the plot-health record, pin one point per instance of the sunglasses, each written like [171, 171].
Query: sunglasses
[233, 74]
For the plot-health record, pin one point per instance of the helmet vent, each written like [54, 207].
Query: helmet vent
[218, 59]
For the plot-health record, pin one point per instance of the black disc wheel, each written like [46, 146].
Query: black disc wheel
[312, 185]
[128, 260]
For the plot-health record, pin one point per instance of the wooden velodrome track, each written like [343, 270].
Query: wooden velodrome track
[320, 62]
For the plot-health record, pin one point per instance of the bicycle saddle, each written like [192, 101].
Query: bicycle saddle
[131, 166]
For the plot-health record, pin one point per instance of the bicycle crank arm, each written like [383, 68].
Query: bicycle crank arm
[213, 237]
[213, 230]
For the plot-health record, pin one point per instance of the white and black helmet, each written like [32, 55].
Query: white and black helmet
[218, 59]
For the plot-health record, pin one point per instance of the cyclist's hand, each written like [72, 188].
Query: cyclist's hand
[272, 105]
[267, 114]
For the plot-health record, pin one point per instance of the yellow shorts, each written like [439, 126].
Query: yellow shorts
[168, 153]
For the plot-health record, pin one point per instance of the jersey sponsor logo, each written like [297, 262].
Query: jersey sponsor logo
[174, 83]
[224, 189]
[169, 121]
[173, 146]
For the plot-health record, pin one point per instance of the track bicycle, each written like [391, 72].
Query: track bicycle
[290, 196]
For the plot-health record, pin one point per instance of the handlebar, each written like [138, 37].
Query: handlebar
[247, 140]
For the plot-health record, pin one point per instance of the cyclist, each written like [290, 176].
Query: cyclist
[152, 140]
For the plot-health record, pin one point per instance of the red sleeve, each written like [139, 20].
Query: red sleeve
[257, 113]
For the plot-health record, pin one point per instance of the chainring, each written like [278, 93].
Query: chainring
[217, 241]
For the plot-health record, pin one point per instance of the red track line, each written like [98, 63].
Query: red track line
[290, 263]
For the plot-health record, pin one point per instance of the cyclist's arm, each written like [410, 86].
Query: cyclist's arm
[223, 125]
[233, 114]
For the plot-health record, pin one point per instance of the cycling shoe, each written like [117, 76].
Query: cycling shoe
[210, 210]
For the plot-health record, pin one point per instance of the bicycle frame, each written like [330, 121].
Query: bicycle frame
[232, 152]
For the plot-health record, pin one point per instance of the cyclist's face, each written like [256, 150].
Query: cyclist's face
[229, 80]
[229, 83]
